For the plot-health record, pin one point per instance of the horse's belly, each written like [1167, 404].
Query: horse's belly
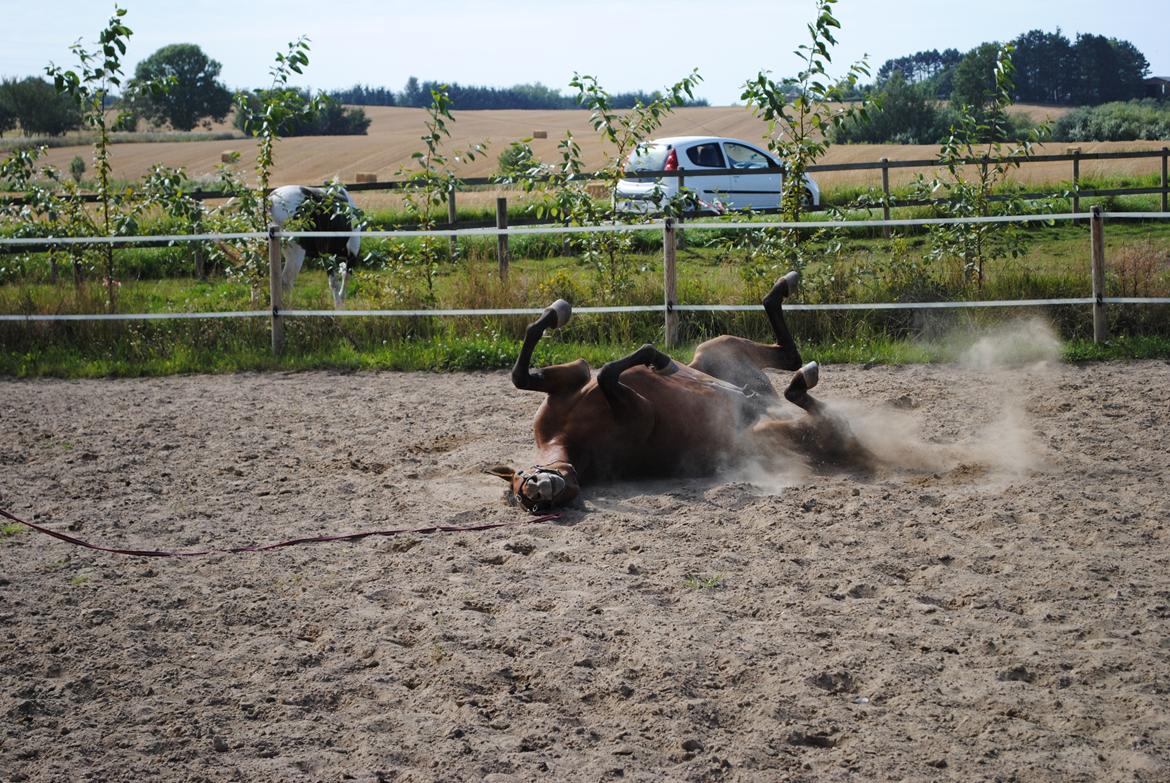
[695, 429]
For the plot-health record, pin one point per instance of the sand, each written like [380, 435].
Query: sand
[994, 603]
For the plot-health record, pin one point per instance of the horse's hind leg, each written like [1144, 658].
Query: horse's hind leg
[825, 434]
[741, 361]
[561, 377]
[797, 392]
[788, 355]
[294, 257]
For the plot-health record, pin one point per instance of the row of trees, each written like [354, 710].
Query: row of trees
[178, 87]
[1049, 68]
[919, 98]
[327, 117]
[521, 96]
[905, 113]
[35, 105]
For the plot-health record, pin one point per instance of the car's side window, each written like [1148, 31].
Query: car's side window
[742, 157]
[706, 155]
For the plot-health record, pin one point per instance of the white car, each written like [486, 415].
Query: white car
[734, 188]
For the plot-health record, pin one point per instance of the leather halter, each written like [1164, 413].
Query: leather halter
[535, 505]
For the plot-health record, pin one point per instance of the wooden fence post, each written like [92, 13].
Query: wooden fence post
[679, 238]
[502, 239]
[1165, 191]
[885, 196]
[669, 282]
[1076, 179]
[200, 252]
[451, 217]
[274, 290]
[1097, 230]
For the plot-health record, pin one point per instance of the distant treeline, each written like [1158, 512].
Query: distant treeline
[1050, 69]
[918, 96]
[521, 96]
[330, 118]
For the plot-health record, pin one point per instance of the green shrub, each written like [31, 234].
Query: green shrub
[1119, 121]
[902, 114]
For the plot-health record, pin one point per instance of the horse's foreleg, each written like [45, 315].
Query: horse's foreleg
[549, 379]
[624, 401]
[337, 281]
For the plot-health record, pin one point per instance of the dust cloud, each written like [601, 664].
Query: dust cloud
[1020, 342]
[1005, 444]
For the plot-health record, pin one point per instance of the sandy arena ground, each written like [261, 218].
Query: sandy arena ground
[994, 604]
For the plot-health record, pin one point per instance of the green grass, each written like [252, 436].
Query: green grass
[454, 353]
[864, 268]
[76, 139]
[697, 582]
[1119, 347]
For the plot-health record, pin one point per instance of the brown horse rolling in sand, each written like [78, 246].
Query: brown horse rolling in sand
[647, 416]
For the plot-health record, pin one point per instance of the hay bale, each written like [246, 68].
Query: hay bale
[539, 134]
[597, 189]
[367, 176]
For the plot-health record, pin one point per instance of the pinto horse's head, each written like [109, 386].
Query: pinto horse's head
[541, 487]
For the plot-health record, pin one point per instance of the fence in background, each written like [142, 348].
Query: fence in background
[1074, 157]
[670, 307]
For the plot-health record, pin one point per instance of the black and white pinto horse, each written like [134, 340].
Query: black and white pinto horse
[317, 206]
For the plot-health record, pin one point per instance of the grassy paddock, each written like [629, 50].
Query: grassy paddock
[156, 350]
[855, 267]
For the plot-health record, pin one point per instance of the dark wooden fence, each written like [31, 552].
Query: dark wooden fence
[1075, 193]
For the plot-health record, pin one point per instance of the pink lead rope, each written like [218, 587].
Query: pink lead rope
[293, 542]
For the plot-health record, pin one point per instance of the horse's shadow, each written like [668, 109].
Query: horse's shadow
[730, 489]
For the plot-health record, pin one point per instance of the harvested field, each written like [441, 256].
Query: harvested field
[994, 604]
[394, 135]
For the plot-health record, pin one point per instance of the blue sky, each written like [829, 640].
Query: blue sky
[627, 44]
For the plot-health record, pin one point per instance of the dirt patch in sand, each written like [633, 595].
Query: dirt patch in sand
[994, 603]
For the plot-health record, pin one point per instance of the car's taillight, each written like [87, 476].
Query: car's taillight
[671, 163]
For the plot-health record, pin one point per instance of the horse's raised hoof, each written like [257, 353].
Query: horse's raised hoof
[811, 372]
[784, 287]
[791, 282]
[802, 380]
[563, 311]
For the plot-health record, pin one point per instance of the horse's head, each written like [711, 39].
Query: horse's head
[541, 487]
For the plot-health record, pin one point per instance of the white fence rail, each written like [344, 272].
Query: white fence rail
[670, 307]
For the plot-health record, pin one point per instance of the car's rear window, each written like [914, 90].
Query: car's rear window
[706, 155]
[648, 157]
